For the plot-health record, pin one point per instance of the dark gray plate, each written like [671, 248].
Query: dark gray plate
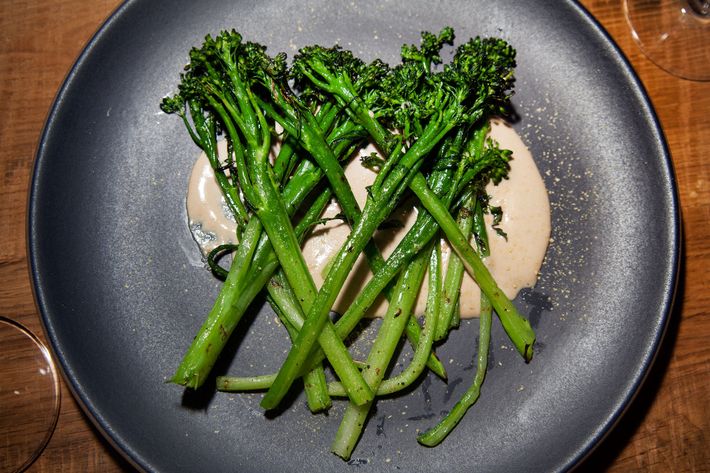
[121, 292]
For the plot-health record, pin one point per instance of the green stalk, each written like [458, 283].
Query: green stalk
[415, 335]
[283, 302]
[283, 239]
[274, 217]
[201, 355]
[235, 296]
[480, 230]
[286, 305]
[481, 235]
[247, 383]
[313, 326]
[437, 434]
[383, 349]
[302, 123]
[376, 211]
[279, 291]
[515, 325]
[455, 317]
[454, 272]
[411, 372]
[414, 241]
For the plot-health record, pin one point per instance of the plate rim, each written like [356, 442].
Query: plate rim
[671, 293]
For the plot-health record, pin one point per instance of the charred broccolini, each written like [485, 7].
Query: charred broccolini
[430, 123]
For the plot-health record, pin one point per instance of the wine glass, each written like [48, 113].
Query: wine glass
[29, 396]
[674, 34]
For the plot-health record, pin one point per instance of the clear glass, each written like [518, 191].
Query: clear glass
[674, 34]
[29, 396]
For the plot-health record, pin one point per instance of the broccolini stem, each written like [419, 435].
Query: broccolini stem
[283, 302]
[412, 371]
[246, 383]
[414, 335]
[203, 352]
[515, 325]
[393, 324]
[235, 296]
[437, 434]
[454, 272]
[376, 211]
[278, 227]
[287, 308]
[414, 241]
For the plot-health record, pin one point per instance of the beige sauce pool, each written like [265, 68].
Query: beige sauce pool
[513, 263]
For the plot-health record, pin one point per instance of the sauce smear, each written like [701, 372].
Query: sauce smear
[514, 262]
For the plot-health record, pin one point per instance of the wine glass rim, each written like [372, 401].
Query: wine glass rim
[689, 20]
[47, 355]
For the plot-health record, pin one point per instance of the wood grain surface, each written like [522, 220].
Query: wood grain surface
[667, 428]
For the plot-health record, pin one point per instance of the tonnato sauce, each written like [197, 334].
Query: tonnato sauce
[514, 261]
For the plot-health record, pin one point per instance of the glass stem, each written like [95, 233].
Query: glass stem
[700, 7]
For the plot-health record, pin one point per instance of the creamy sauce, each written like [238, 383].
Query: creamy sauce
[514, 262]
[211, 221]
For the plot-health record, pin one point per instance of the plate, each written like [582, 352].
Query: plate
[121, 290]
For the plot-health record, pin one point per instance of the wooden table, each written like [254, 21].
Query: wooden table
[667, 428]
